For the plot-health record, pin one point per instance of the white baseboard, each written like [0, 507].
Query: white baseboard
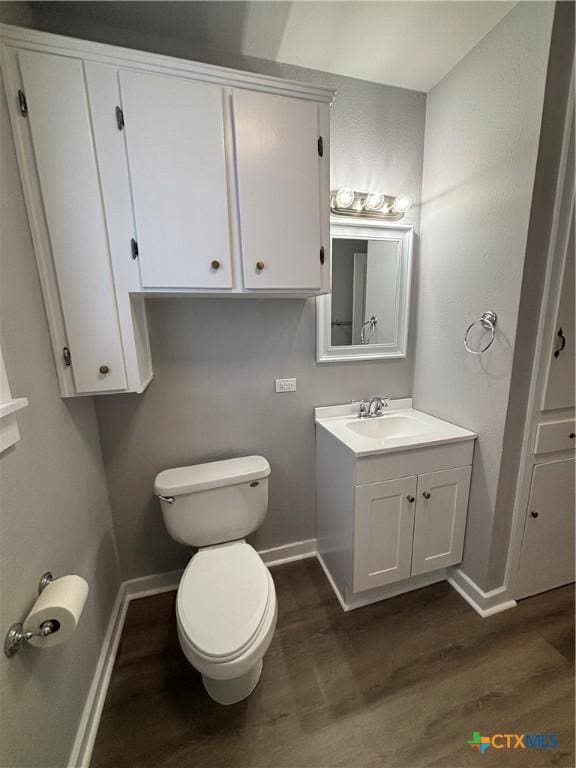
[288, 553]
[155, 584]
[90, 720]
[484, 603]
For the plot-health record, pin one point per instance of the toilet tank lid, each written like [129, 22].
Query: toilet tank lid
[214, 474]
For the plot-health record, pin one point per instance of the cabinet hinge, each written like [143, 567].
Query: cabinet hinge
[134, 248]
[67, 357]
[322, 255]
[120, 118]
[23, 104]
[320, 146]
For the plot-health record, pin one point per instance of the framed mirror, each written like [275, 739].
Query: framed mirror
[366, 315]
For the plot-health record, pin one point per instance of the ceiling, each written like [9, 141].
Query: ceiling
[404, 43]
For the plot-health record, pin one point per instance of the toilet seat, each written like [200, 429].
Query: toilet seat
[225, 603]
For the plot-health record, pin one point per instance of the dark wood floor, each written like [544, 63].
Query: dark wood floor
[400, 684]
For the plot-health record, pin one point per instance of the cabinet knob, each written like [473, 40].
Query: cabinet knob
[411, 499]
[215, 264]
[104, 369]
[572, 435]
[534, 514]
[426, 494]
[259, 266]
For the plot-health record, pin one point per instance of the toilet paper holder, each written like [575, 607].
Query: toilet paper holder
[16, 635]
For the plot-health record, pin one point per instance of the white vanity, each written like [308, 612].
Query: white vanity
[392, 498]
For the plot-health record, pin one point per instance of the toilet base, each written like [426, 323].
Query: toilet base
[234, 690]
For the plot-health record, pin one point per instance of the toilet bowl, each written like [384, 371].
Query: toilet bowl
[226, 607]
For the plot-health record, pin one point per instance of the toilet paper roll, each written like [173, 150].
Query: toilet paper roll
[62, 601]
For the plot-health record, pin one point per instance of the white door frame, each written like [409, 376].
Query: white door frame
[564, 203]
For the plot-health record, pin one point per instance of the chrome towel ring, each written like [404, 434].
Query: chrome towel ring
[488, 321]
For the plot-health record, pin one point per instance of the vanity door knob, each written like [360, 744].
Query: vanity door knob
[215, 264]
[534, 514]
[426, 494]
[104, 369]
[259, 266]
[572, 435]
[411, 499]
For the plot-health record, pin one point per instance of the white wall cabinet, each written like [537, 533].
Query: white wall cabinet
[145, 174]
[63, 150]
[176, 155]
[279, 172]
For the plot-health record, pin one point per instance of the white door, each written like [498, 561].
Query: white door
[547, 558]
[440, 519]
[383, 529]
[60, 125]
[176, 154]
[278, 169]
[559, 391]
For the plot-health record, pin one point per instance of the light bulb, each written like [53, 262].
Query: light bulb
[374, 201]
[401, 204]
[344, 197]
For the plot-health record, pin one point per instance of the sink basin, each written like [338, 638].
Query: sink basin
[401, 428]
[388, 427]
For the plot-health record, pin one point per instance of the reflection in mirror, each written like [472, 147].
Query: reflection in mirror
[366, 315]
[365, 277]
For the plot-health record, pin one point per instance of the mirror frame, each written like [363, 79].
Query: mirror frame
[368, 230]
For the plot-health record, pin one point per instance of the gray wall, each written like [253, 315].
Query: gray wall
[55, 509]
[215, 360]
[482, 132]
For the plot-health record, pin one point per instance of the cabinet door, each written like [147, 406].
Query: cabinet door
[442, 503]
[547, 559]
[383, 528]
[176, 154]
[559, 390]
[278, 170]
[65, 159]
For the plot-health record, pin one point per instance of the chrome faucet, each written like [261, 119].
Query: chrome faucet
[380, 402]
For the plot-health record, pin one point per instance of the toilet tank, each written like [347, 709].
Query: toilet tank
[212, 503]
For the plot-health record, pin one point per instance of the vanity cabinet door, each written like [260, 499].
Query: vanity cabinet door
[66, 164]
[383, 527]
[279, 177]
[174, 131]
[442, 503]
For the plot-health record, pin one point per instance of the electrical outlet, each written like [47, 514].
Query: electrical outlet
[285, 385]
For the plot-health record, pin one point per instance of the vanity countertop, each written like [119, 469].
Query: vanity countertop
[401, 428]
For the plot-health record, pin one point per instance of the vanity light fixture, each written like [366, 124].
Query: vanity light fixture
[344, 198]
[374, 201]
[347, 202]
[402, 204]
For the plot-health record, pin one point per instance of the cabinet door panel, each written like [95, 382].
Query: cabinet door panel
[440, 519]
[383, 528]
[66, 163]
[559, 390]
[277, 160]
[547, 559]
[176, 153]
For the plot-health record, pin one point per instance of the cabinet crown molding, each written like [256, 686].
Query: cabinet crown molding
[210, 73]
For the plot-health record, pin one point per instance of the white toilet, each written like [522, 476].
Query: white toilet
[226, 605]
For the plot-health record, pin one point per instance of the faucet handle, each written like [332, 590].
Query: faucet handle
[363, 409]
